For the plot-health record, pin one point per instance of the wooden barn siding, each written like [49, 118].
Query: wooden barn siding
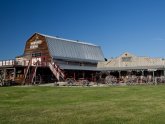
[43, 48]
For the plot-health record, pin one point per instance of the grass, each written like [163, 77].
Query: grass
[79, 105]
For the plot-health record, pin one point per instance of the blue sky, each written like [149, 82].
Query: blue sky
[136, 26]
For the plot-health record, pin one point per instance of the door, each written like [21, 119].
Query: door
[36, 57]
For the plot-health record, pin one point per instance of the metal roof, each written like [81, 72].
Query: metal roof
[74, 67]
[63, 48]
[156, 67]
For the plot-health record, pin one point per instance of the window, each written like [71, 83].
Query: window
[126, 59]
[36, 54]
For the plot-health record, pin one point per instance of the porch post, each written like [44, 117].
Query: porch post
[83, 74]
[119, 74]
[4, 74]
[154, 77]
[14, 73]
[74, 76]
[142, 72]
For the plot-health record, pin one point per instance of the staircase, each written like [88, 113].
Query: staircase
[32, 75]
[26, 72]
[34, 72]
[58, 73]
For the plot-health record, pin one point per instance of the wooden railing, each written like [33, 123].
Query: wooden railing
[7, 63]
[58, 73]
[20, 63]
[13, 62]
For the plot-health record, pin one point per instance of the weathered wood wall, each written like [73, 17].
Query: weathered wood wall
[42, 48]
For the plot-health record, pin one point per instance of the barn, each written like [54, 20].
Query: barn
[49, 59]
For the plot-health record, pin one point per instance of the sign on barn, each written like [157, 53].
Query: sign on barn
[34, 44]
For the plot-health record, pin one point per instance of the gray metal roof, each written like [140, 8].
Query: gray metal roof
[63, 48]
[74, 67]
[157, 67]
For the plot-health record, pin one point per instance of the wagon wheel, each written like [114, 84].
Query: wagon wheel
[70, 81]
[85, 82]
[100, 81]
[108, 79]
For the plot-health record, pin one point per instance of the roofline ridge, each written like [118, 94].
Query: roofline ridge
[68, 40]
